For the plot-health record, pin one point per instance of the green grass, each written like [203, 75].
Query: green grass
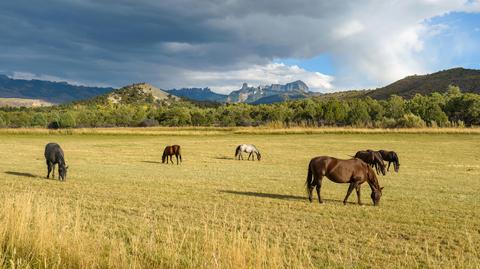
[120, 207]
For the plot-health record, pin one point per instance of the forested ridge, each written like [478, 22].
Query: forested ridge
[452, 108]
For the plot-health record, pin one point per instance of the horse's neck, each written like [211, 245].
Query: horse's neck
[61, 160]
[373, 183]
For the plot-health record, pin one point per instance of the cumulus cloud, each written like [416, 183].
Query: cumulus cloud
[274, 73]
[188, 43]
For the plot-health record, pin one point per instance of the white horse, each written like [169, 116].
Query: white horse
[247, 148]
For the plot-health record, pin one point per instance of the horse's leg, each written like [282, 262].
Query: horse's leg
[171, 159]
[357, 187]
[388, 165]
[250, 155]
[53, 171]
[350, 189]
[176, 156]
[318, 188]
[49, 167]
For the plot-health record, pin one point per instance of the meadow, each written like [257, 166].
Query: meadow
[122, 208]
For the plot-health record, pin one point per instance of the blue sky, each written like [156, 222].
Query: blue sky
[331, 45]
[453, 41]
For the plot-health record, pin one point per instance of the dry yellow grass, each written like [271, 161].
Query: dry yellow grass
[120, 208]
[189, 131]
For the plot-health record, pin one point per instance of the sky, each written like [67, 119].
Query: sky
[330, 45]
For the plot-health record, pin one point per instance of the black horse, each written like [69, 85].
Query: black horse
[54, 155]
[373, 159]
[391, 157]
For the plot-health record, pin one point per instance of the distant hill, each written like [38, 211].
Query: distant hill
[199, 94]
[19, 102]
[468, 80]
[139, 93]
[269, 94]
[46, 91]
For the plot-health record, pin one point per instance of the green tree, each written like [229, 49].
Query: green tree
[395, 107]
[39, 120]
[67, 120]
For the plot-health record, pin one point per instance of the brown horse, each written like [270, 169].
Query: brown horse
[353, 171]
[373, 158]
[169, 151]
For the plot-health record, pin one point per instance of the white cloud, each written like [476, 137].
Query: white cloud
[30, 76]
[226, 81]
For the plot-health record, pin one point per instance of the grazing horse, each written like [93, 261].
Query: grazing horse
[54, 155]
[372, 158]
[247, 148]
[391, 157]
[353, 171]
[169, 151]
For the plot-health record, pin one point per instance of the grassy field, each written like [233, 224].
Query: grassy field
[121, 208]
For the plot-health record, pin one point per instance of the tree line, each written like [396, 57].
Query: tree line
[452, 108]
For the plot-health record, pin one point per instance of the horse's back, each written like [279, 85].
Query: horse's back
[53, 152]
[331, 163]
[176, 149]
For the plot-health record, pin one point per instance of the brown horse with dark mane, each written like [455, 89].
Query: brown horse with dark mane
[353, 171]
[373, 158]
[169, 151]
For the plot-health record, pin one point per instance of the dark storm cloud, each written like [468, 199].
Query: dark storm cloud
[118, 42]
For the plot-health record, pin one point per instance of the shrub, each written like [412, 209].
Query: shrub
[67, 120]
[410, 121]
[53, 125]
[39, 120]
[148, 123]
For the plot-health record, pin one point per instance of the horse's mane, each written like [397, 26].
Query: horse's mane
[395, 156]
[372, 179]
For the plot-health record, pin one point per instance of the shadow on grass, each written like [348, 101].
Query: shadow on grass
[151, 162]
[265, 195]
[282, 196]
[21, 174]
[224, 158]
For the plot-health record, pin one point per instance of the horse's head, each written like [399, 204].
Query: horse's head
[376, 195]
[396, 163]
[62, 171]
[259, 156]
[376, 189]
[164, 157]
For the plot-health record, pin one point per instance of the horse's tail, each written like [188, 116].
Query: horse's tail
[309, 181]
[237, 151]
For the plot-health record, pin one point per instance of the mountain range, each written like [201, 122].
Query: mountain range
[21, 92]
[248, 94]
[199, 94]
[47, 91]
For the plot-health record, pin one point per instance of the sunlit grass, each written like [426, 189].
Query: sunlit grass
[188, 131]
[121, 208]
